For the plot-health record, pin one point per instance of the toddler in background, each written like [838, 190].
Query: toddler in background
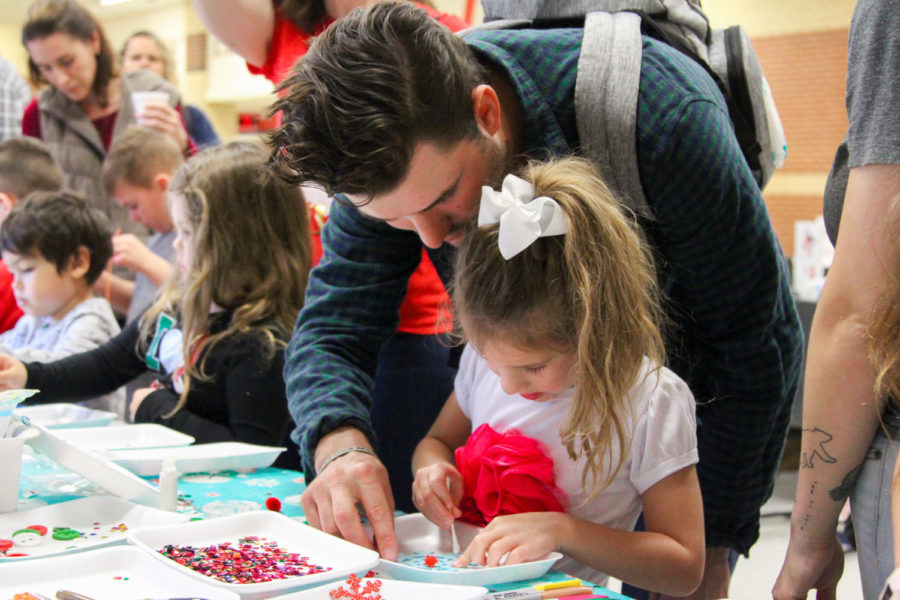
[564, 424]
[215, 335]
[56, 246]
[136, 174]
[25, 166]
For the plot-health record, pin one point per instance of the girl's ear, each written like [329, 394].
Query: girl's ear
[80, 263]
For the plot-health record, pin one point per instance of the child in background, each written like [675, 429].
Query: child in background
[56, 246]
[25, 166]
[570, 418]
[216, 334]
[136, 174]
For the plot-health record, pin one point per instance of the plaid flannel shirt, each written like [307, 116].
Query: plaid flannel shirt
[735, 335]
[14, 97]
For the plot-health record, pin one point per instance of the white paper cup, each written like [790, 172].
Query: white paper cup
[141, 99]
[11, 467]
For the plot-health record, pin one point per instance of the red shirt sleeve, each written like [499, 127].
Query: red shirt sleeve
[9, 309]
[31, 120]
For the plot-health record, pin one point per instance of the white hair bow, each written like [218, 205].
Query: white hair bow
[522, 217]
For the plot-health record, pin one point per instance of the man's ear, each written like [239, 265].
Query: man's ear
[7, 201]
[161, 181]
[80, 262]
[488, 114]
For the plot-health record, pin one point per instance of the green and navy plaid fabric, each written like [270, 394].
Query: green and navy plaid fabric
[734, 335]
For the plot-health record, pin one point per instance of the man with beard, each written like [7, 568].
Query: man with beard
[405, 122]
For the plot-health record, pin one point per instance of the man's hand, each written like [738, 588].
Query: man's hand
[355, 479]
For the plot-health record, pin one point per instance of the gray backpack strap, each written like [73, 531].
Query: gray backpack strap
[606, 90]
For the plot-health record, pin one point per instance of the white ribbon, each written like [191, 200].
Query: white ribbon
[522, 217]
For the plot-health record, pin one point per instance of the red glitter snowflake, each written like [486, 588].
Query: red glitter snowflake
[358, 591]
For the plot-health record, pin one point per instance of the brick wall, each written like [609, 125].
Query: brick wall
[807, 74]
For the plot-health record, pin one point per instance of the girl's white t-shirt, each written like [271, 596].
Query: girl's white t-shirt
[664, 440]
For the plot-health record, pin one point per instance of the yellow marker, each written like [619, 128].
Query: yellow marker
[558, 584]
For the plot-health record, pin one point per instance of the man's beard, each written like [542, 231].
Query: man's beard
[498, 164]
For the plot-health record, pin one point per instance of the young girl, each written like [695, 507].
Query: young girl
[216, 333]
[577, 426]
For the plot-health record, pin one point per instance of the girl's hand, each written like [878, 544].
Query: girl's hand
[524, 537]
[136, 398]
[165, 119]
[13, 375]
[437, 490]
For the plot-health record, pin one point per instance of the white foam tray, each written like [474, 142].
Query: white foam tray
[61, 415]
[415, 533]
[199, 458]
[99, 518]
[397, 590]
[321, 548]
[94, 467]
[135, 435]
[116, 573]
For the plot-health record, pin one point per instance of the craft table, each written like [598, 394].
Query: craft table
[203, 496]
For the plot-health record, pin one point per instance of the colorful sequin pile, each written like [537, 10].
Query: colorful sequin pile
[252, 560]
[358, 591]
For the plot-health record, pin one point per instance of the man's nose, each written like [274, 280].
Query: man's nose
[432, 230]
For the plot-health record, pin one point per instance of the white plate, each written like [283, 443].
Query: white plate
[321, 549]
[417, 536]
[140, 435]
[105, 574]
[93, 467]
[397, 590]
[62, 415]
[200, 458]
[98, 518]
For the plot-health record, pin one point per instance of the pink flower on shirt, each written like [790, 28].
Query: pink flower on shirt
[503, 474]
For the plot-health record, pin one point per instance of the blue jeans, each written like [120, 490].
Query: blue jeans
[412, 384]
[870, 505]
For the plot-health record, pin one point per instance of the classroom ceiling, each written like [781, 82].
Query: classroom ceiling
[13, 11]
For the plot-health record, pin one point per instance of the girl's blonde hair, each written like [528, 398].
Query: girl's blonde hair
[591, 291]
[251, 254]
[884, 328]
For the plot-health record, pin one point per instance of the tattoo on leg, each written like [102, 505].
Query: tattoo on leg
[842, 492]
[821, 437]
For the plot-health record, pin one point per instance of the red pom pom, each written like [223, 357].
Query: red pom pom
[273, 503]
[5, 545]
[430, 560]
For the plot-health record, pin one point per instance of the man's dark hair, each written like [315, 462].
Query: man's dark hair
[26, 166]
[370, 88]
[56, 225]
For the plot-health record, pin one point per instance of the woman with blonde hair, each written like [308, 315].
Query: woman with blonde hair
[144, 50]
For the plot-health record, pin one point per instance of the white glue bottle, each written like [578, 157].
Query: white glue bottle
[168, 484]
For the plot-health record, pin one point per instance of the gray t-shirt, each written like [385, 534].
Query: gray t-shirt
[144, 289]
[873, 101]
[43, 339]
